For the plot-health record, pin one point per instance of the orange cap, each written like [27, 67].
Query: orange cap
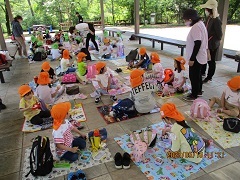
[80, 56]
[168, 74]
[155, 57]
[59, 113]
[169, 110]
[46, 66]
[24, 89]
[66, 54]
[43, 78]
[234, 83]
[106, 40]
[182, 61]
[99, 66]
[136, 78]
[142, 51]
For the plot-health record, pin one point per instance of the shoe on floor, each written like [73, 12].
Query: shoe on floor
[126, 161]
[97, 100]
[118, 160]
[200, 94]
[113, 98]
[206, 80]
[189, 98]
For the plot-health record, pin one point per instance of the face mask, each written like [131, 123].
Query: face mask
[207, 13]
[188, 23]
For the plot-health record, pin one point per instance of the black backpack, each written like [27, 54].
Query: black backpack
[39, 56]
[133, 55]
[41, 158]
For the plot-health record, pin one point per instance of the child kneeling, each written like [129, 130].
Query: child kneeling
[66, 145]
[143, 62]
[230, 100]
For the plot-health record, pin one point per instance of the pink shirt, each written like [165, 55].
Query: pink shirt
[44, 92]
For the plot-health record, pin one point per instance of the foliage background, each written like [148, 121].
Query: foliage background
[51, 12]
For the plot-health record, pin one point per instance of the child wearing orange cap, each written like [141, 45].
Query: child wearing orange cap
[141, 93]
[107, 49]
[144, 60]
[179, 82]
[66, 145]
[29, 105]
[46, 93]
[105, 82]
[184, 139]
[82, 67]
[65, 64]
[47, 68]
[230, 100]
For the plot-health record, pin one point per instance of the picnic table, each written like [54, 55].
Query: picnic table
[5, 67]
[113, 30]
[232, 55]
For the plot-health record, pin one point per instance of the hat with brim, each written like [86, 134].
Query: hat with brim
[99, 66]
[182, 61]
[155, 58]
[46, 66]
[169, 110]
[24, 89]
[43, 78]
[136, 78]
[210, 4]
[234, 83]
[80, 56]
[142, 51]
[66, 54]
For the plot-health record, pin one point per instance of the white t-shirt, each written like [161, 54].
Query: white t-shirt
[64, 64]
[108, 50]
[55, 53]
[179, 77]
[186, 140]
[63, 135]
[157, 68]
[197, 32]
[44, 92]
[232, 97]
[103, 78]
[142, 97]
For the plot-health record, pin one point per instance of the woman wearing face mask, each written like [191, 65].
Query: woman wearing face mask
[196, 51]
[18, 35]
[214, 28]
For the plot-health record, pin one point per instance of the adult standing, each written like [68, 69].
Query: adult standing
[18, 35]
[91, 36]
[196, 51]
[214, 28]
[80, 18]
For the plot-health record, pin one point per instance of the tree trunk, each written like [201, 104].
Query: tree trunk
[30, 6]
[132, 13]
[7, 21]
[144, 11]
[113, 17]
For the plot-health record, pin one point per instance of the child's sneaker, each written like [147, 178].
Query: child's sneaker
[113, 98]
[126, 161]
[118, 160]
[97, 100]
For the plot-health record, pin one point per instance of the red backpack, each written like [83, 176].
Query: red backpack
[3, 60]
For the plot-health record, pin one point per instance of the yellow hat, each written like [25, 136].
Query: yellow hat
[106, 40]
[169, 110]
[136, 78]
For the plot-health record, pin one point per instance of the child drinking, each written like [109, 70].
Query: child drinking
[141, 93]
[66, 66]
[46, 93]
[183, 137]
[230, 100]
[66, 145]
[105, 82]
[29, 105]
[82, 67]
[144, 60]
[179, 82]
[107, 49]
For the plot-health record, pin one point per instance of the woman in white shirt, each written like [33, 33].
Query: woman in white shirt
[196, 51]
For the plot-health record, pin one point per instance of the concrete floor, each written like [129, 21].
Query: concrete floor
[13, 142]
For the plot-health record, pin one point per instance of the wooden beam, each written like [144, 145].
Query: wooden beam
[223, 6]
[136, 16]
[102, 14]
[2, 40]
[9, 10]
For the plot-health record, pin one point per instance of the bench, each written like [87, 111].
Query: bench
[5, 67]
[112, 30]
[162, 40]
[232, 55]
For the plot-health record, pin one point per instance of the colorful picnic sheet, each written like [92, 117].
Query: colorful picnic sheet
[29, 127]
[56, 172]
[157, 166]
[120, 62]
[215, 129]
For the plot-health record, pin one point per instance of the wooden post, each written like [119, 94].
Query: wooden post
[223, 6]
[136, 15]
[102, 14]
[2, 40]
[9, 10]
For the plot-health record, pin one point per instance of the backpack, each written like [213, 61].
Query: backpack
[91, 71]
[168, 74]
[72, 90]
[41, 158]
[200, 109]
[39, 56]
[124, 107]
[133, 55]
[69, 78]
[3, 60]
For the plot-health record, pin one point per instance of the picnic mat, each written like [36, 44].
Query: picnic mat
[111, 58]
[120, 62]
[109, 120]
[29, 127]
[159, 95]
[157, 166]
[61, 172]
[125, 69]
[225, 138]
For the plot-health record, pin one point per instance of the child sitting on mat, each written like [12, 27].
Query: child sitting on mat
[105, 82]
[179, 82]
[82, 68]
[55, 52]
[29, 105]
[66, 66]
[67, 146]
[230, 100]
[46, 93]
[107, 49]
[47, 68]
[141, 93]
[183, 137]
[143, 62]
